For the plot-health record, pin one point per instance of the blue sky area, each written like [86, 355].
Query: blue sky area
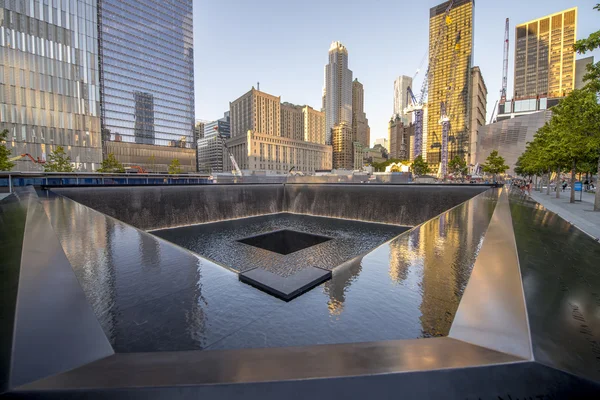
[283, 45]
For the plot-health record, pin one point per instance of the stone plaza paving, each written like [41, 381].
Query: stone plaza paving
[580, 213]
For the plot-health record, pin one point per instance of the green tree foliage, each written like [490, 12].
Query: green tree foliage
[175, 167]
[5, 164]
[494, 164]
[458, 166]
[111, 164]
[380, 167]
[419, 167]
[569, 141]
[58, 161]
[592, 42]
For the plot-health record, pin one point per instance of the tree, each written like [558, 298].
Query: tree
[175, 167]
[592, 42]
[576, 124]
[58, 161]
[419, 166]
[5, 164]
[494, 164]
[592, 78]
[111, 164]
[458, 166]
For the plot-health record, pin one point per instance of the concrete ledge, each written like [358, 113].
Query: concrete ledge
[285, 288]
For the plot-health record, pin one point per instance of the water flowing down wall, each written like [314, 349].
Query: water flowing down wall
[408, 205]
[168, 206]
[161, 207]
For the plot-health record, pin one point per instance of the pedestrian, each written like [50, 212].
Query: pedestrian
[587, 185]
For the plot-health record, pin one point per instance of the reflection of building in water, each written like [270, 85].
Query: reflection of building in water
[439, 240]
[403, 253]
[144, 117]
[340, 282]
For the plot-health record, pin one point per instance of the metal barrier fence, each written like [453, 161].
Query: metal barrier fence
[11, 180]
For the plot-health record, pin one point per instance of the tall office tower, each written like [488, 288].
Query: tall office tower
[144, 117]
[292, 121]
[211, 152]
[49, 81]
[401, 85]
[314, 125]
[544, 56]
[478, 110]
[338, 89]
[360, 124]
[146, 46]
[255, 111]
[343, 146]
[449, 80]
[399, 139]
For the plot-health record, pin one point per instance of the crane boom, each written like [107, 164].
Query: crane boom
[505, 65]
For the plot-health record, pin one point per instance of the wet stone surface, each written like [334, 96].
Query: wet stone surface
[259, 242]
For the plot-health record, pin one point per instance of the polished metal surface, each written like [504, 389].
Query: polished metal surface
[55, 328]
[492, 311]
[561, 279]
[278, 364]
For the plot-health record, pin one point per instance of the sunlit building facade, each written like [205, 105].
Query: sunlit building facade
[343, 146]
[544, 56]
[360, 124]
[49, 81]
[401, 85]
[456, 44]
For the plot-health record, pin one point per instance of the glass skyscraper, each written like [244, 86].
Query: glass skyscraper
[49, 81]
[147, 81]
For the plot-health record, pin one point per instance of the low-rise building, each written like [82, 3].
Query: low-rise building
[256, 151]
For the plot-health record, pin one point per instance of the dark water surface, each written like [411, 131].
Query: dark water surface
[151, 295]
[220, 241]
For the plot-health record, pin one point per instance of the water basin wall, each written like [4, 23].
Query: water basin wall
[160, 207]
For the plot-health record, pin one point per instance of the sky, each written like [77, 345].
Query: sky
[284, 45]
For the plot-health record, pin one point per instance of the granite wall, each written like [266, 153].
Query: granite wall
[161, 207]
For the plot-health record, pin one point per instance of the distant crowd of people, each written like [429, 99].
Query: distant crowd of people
[523, 185]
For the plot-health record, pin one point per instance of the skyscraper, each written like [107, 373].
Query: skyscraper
[478, 105]
[401, 85]
[450, 82]
[544, 56]
[49, 81]
[338, 89]
[360, 124]
[147, 71]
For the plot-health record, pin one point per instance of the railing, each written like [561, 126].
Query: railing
[56, 179]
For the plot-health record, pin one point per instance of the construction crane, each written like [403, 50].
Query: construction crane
[236, 168]
[35, 161]
[416, 104]
[505, 65]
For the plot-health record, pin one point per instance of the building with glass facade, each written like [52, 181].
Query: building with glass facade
[147, 81]
[49, 81]
[338, 90]
[456, 44]
[544, 56]
[211, 152]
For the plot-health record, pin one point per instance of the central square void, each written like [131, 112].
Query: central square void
[285, 241]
